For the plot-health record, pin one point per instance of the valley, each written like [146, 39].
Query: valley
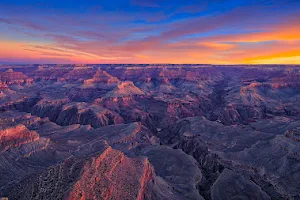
[150, 132]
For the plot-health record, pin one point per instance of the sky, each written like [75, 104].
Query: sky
[150, 31]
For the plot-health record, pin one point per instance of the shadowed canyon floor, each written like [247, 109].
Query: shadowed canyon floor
[149, 132]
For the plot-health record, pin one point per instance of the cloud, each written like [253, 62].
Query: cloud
[158, 31]
[23, 23]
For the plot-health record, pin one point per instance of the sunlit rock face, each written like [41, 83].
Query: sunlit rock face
[102, 76]
[16, 136]
[125, 89]
[10, 77]
[149, 132]
[81, 73]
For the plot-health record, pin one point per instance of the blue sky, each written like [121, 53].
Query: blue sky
[150, 31]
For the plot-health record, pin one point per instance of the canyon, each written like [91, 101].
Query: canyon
[149, 132]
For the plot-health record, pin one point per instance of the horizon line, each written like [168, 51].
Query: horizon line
[141, 64]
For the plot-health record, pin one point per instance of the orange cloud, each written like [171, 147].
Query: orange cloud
[289, 31]
[278, 44]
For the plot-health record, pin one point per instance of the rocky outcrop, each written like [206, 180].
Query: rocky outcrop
[112, 175]
[49, 73]
[293, 134]
[49, 108]
[102, 77]
[180, 170]
[5, 91]
[64, 113]
[106, 175]
[239, 187]
[16, 136]
[125, 89]
[241, 114]
[10, 77]
[78, 74]
[3, 86]
[23, 104]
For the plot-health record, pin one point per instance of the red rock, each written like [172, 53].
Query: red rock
[16, 136]
[78, 74]
[10, 77]
[125, 89]
[112, 175]
[102, 77]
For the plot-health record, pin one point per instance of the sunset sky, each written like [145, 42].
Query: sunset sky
[150, 31]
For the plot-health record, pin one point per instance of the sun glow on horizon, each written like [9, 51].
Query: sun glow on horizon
[244, 34]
